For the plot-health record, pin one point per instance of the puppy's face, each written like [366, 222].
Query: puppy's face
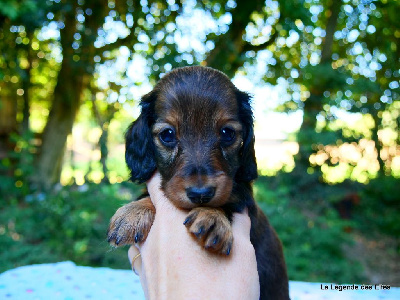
[197, 131]
[198, 136]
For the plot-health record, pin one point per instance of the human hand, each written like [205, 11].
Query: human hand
[173, 266]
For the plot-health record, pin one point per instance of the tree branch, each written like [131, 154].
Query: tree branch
[263, 46]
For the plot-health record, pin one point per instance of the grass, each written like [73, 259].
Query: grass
[313, 242]
[71, 224]
[68, 225]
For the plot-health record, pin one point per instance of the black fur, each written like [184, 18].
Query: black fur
[248, 166]
[140, 149]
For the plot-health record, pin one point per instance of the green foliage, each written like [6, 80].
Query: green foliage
[323, 75]
[313, 240]
[13, 9]
[359, 74]
[17, 167]
[71, 224]
[379, 208]
[68, 225]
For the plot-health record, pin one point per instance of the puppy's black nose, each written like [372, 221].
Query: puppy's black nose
[200, 195]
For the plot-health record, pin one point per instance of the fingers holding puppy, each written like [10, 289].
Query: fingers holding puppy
[211, 228]
[135, 260]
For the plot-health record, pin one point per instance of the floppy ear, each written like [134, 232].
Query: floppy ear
[139, 145]
[248, 165]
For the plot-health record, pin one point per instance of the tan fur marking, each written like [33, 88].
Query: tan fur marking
[211, 228]
[131, 220]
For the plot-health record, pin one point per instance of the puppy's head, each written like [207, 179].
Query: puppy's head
[196, 129]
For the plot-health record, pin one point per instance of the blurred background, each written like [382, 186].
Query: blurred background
[325, 79]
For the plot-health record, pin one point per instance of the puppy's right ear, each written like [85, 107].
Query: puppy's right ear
[139, 145]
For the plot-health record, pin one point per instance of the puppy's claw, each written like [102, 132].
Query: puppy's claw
[109, 239]
[200, 232]
[187, 220]
[136, 237]
[211, 228]
[215, 241]
[118, 240]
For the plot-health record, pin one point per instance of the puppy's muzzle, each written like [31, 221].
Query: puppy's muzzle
[200, 195]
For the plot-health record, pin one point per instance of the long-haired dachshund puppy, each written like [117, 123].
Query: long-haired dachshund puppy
[196, 129]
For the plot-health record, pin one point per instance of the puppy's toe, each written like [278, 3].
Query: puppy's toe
[121, 233]
[211, 228]
[130, 224]
[220, 240]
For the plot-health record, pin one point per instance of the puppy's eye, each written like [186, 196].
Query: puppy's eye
[227, 136]
[167, 136]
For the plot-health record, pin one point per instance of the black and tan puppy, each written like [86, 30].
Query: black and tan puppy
[196, 129]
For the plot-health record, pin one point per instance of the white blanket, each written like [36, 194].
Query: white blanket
[67, 281]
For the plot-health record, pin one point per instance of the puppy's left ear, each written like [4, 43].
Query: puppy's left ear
[248, 165]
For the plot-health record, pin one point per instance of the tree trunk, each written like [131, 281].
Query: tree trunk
[26, 85]
[314, 104]
[8, 122]
[229, 48]
[77, 67]
[59, 125]
[8, 115]
[65, 106]
[104, 152]
[103, 122]
[378, 144]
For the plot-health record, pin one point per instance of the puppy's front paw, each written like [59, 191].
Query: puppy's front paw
[211, 228]
[131, 223]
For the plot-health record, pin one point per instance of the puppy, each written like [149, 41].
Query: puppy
[196, 129]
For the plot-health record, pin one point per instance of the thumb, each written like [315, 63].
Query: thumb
[156, 194]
